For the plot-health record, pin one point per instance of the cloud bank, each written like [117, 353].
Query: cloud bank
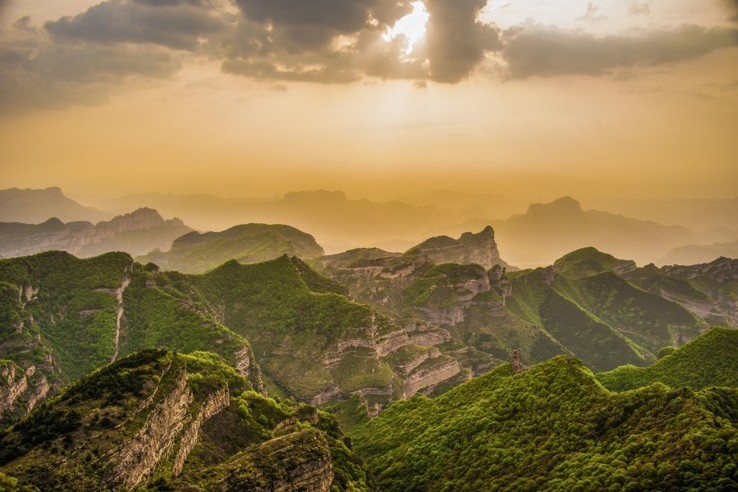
[75, 59]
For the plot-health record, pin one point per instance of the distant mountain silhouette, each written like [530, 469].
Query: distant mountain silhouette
[547, 231]
[693, 253]
[135, 233]
[36, 206]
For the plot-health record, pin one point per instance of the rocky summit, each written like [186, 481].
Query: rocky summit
[479, 248]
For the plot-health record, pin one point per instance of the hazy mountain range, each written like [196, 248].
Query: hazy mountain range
[136, 233]
[534, 238]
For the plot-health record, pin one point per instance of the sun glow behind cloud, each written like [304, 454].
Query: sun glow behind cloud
[412, 27]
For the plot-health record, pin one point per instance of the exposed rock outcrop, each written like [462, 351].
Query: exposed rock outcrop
[119, 315]
[430, 374]
[21, 391]
[479, 248]
[213, 404]
[139, 456]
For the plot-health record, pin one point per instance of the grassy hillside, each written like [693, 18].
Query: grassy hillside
[554, 427]
[290, 325]
[67, 305]
[586, 336]
[711, 359]
[248, 243]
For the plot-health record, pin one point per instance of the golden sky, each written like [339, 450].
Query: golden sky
[379, 98]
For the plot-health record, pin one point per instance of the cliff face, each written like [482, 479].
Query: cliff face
[180, 422]
[20, 391]
[136, 233]
[139, 456]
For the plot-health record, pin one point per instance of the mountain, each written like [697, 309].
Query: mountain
[480, 249]
[249, 243]
[35, 206]
[171, 421]
[136, 233]
[548, 231]
[279, 322]
[707, 290]
[554, 427]
[337, 221]
[710, 360]
[703, 215]
[583, 305]
[693, 253]
[62, 317]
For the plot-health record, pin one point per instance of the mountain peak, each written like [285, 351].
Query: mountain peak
[564, 204]
[479, 248]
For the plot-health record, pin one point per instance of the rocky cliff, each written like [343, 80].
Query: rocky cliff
[175, 421]
[479, 248]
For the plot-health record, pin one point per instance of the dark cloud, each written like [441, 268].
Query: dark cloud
[45, 75]
[177, 25]
[299, 25]
[456, 40]
[79, 59]
[326, 41]
[549, 51]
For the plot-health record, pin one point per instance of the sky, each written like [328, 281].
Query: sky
[379, 98]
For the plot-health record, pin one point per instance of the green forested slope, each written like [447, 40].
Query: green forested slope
[710, 360]
[554, 427]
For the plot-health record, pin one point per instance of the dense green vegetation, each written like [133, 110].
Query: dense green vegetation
[289, 324]
[586, 262]
[553, 427]
[710, 360]
[645, 318]
[68, 303]
[74, 440]
[581, 333]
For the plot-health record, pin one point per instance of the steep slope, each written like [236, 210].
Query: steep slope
[708, 291]
[136, 233]
[711, 359]
[536, 299]
[554, 427]
[580, 306]
[63, 316]
[171, 420]
[310, 339]
[646, 318]
[548, 231]
[35, 206]
[249, 243]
